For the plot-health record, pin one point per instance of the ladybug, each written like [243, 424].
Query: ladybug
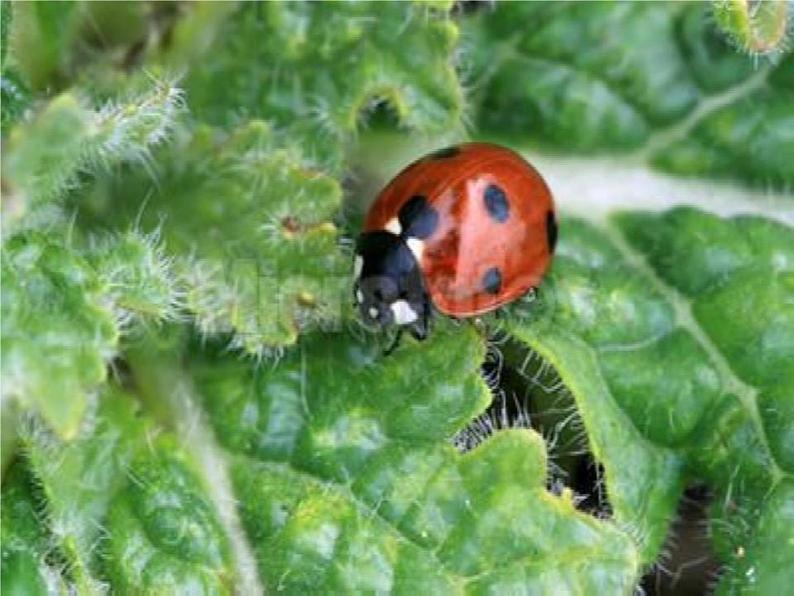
[464, 230]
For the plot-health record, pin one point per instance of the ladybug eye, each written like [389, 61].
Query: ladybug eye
[378, 294]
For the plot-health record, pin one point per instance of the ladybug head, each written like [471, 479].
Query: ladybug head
[388, 288]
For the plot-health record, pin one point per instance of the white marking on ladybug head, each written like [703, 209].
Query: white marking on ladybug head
[417, 247]
[403, 313]
[393, 226]
[358, 265]
[373, 312]
[359, 296]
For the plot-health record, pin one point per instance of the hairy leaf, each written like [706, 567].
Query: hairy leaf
[122, 505]
[45, 155]
[62, 313]
[57, 331]
[249, 214]
[25, 545]
[313, 68]
[760, 28]
[248, 221]
[591, 312]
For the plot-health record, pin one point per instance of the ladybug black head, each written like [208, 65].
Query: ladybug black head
[389, 289]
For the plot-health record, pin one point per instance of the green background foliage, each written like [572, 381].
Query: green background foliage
[188, 402]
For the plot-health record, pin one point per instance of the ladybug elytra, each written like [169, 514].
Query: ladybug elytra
[464, 230]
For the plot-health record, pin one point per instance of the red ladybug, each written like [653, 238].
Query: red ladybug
[465, 229]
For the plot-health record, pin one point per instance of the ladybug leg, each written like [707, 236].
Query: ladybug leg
[419, 332]
[420, 328]
[395, 342]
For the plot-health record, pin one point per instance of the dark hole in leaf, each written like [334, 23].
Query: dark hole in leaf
[588, 482]
[529, 393]
[689, 566]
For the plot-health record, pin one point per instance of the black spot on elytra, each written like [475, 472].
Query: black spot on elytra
[492, 280]
[446, 152]
[551, 230]
[496, 203]
[418, 219]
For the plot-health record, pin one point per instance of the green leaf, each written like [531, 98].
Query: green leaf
[248, 215]
[315, 68]
[14, 95]
[590, 313]
[662, 359]
[41, 35]
[62, 314]
[125, 506]
[741, 300]
[347, 479]
[653, 80]
[116, 26]
[142, 455]
[750, 136]
[56, 331]
[77, 481]
[45, 155]
[14, 91]
[765, 566]
[24, 570]
[739, 278]
[164, 535]
[6, 14]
